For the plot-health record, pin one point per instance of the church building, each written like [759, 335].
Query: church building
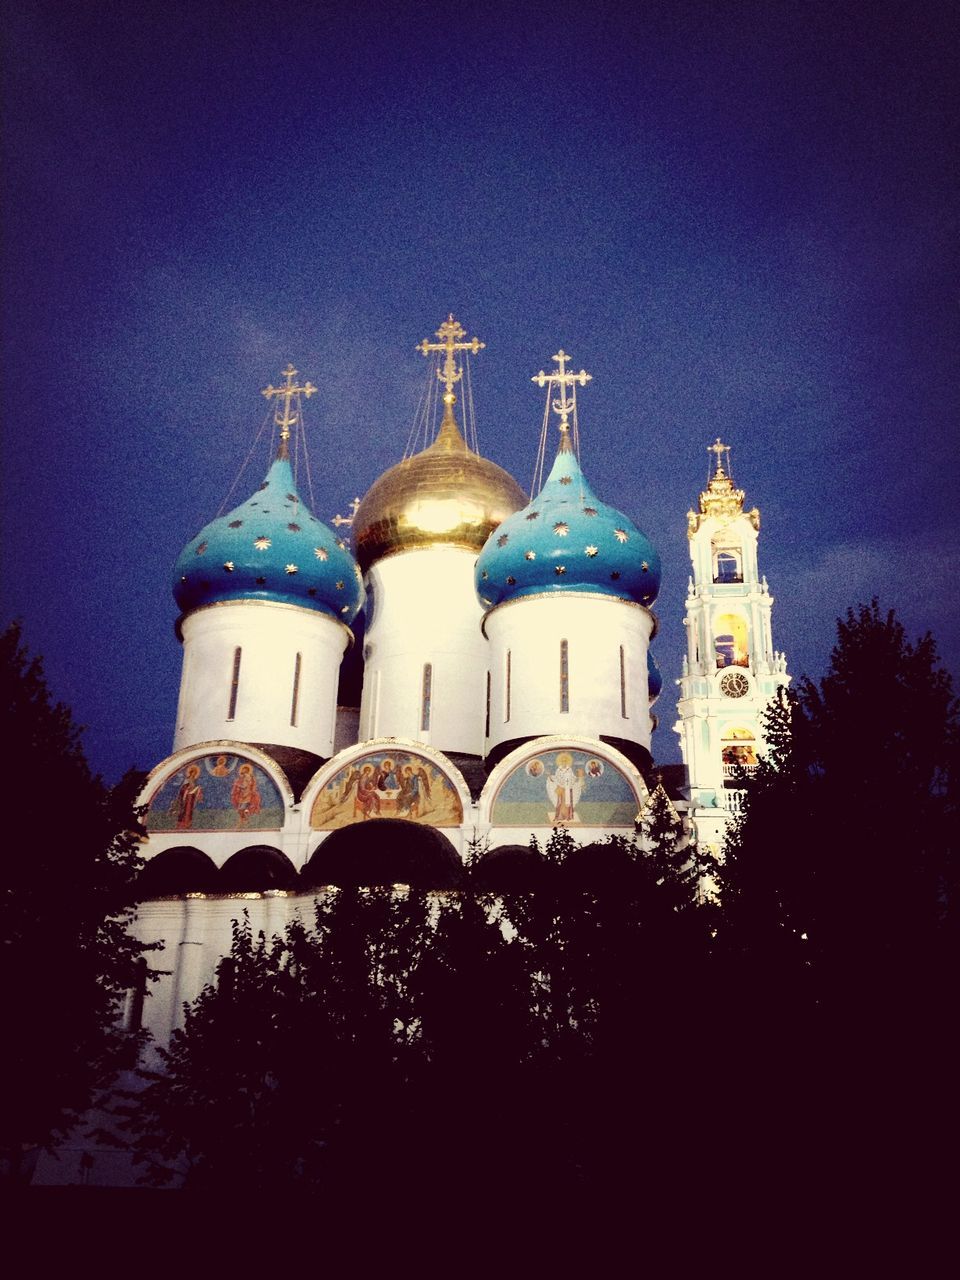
[337, 725]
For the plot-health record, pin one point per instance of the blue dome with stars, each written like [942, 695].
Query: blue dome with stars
[270, 548]
[566, 539]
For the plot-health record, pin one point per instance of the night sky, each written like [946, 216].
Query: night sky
[741, 219]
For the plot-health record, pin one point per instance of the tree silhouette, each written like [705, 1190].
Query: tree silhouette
[839, 889]
[69, 962]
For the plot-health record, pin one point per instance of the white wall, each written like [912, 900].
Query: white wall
[269, 636]
[595, 627]
[422, 608]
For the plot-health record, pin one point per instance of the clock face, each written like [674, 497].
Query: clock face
[734, 684]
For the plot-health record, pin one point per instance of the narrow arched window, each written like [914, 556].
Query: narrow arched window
[623, 684]
[234, 683]
[564, 676]
[506, 690]
[426, 694]
[295, 698]
[486, 722]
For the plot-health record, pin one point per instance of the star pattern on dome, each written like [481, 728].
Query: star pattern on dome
[485, 575]
[262, 544]
[615, 576]
[234, 524]
[321, 553]
[533, 515]
[294, 528]
[229, 566]
[644, 566]
[530, 555]
[561, 528]
[340, 584]
[560, 570]
[590, 551]
[261, 582]
[201, 548]
[511, 582]
[566, 479]
[589, 511]
[621, 535]
[290, 568]
[503, 539]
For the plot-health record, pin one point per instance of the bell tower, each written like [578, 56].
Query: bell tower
[730, 670]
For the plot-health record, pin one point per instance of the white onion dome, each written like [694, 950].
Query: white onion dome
[567, 540]
[270, 548]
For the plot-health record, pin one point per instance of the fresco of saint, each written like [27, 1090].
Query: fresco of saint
[244, 795]
[187, 798]
[565, 787]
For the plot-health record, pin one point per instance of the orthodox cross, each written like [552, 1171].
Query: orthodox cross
[719, 449]
[566, 404]
[348, 520]
[283, 417]
[450, 333]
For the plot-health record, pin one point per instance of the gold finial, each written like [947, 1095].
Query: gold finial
[450, 333]
[720, 499]
[566, 404]
[284, 395]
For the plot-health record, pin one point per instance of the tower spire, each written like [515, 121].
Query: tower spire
[566, 404]
[283, 415]
[450, 373]
[720, 498]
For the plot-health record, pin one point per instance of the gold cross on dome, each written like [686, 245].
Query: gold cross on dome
[566, 404]
[284, 396]
[450, 333]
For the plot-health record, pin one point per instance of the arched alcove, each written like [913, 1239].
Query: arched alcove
[510, 868]
[183, 869]
[387, 851]
[256, 868]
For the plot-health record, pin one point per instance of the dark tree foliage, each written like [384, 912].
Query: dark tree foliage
[69, 870]
[431, 1041]
[840, 894]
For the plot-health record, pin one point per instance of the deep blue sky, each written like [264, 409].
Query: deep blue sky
[741, 219]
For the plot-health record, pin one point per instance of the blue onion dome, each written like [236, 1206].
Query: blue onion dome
[270, 548]
[567, 540]
[654, 678]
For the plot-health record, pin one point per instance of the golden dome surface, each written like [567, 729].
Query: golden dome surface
[446, 495]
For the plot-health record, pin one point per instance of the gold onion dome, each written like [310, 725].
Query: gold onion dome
[445, 495]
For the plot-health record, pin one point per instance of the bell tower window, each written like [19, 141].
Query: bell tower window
[730, 641]
[727, 563]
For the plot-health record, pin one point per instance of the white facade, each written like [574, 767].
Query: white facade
[568, 663]
[730, 670]
[260, 671]
[425, 656]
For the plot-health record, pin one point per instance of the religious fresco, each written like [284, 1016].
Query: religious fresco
[216, 793]
[387, 784]
[565, 787]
